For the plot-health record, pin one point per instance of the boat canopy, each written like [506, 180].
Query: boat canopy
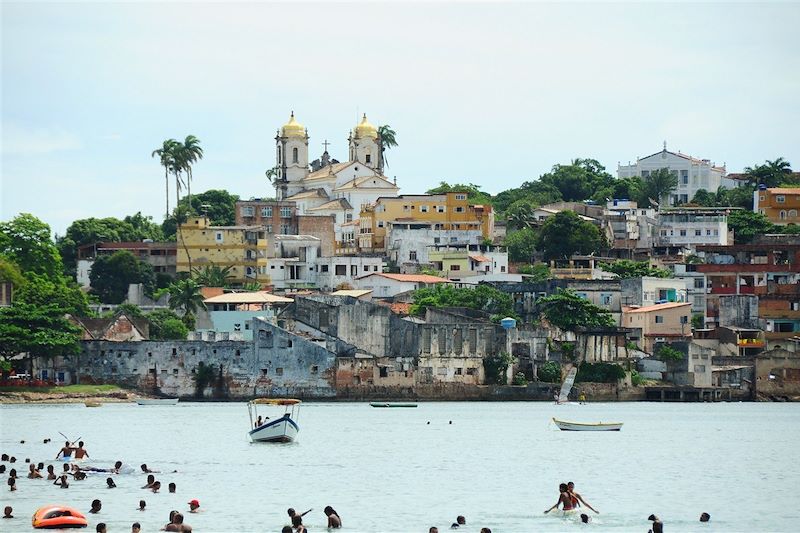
[274, 401]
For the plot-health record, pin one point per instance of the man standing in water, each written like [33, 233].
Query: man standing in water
[563, 499]
[658, 525]
[80, 451]
[576, 498]
[65, 452]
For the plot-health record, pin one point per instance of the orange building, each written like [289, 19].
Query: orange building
[780, 205]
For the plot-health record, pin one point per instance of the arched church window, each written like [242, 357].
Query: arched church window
[279, 155]
[294, 155]
[369, 158]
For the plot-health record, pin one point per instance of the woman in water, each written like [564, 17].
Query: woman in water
[334, 522]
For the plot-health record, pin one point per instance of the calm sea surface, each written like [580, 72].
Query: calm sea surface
[388, 470]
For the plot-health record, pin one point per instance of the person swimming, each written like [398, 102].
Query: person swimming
[563, 499]
[576, 499]
[62, 482]
[705, 517]
[334, 521]
[142, 505]
[110, 483]
[96, 506]
[150, 480]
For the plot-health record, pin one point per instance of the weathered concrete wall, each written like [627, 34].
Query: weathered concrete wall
[778, 374]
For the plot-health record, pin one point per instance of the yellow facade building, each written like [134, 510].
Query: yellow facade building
[223, 246]
[448, 211]
[781, 205]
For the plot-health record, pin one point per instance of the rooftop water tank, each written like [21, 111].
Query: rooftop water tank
[508, 323]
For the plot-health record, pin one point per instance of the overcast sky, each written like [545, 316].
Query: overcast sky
[492, 94]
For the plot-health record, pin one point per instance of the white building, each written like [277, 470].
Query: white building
[231, 313]
[693, 174]
[632, 227]
[648, 290]
[695, 286]
[408, 243]
[387, 285]
[690, 226]
[334, 271]
[291, 261]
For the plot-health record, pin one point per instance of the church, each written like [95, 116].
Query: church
[327, 187]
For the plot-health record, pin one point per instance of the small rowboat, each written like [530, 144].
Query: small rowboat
[577, 426]
[92, 403]
[58, 517]
[384, 404]
[157, 401]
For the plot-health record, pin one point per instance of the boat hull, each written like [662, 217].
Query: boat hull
[158, 401]
[283, 429]
[575, 426]
[389, 405]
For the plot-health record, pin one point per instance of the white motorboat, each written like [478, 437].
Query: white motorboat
[282, 429]
[578, 426]
[157, 401]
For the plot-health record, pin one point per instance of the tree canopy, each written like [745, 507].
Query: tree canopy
[166, 325]
[521, 245]
[39, 330]
[483, 298]
[579, 180]
[771, 173]
[746, 225]
[111, 275]
[568, 311]
[25, 241]
[474, 194]
[657, 186]
[218, 204]
[625, 269]
[565, 234]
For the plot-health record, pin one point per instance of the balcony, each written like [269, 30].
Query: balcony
[751, 343]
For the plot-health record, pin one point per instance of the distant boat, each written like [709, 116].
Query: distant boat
[578, 426]
[283, 429]
[91, 403]
[566, 387]
[385, 404]
[157, 401]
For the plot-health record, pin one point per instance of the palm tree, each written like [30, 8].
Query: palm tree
[166, 158]
[659, 184]
[272, 177]
[213, 276]
[520, 216]
[190, 152]
[771, 173]
[388, 139]
[185, 295]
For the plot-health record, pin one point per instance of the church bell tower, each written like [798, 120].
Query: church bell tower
[291, 147]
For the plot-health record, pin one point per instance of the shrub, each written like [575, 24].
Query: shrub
[600, 373]
[667, 353]
[496, 366]
[636, 378]
[550, 372]
[519, 379]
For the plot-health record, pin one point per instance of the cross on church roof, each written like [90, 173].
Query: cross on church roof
[325, 144]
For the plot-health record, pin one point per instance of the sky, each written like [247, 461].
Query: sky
[493, 94]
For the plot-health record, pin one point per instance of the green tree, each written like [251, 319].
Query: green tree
[746, 225]
[111, 275]
[9, 273]
[219, 205]
[657, 186]
[166, 325]
[599, 373]
[668, 353]
[132, 310]
[704, 198]
[565, 234]
[25, 241]
[537, 272]
[520, 215]
[185, 296]
[474, 194]
[521, 244]
[534, 192]
[187, 154]
[550, 372]
[483, 298]
[38, 330]
[166, 157]
[568, 311]
[626, 269]
[388, 139]
[495, 367]
[213, 276]
[40, 290]
[771, 173]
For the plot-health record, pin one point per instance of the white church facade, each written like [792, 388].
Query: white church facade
[326, 187]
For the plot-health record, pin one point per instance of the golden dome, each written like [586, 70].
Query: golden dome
[365, 129]
[293, 128]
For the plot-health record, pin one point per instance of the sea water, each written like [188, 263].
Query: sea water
[404, 470]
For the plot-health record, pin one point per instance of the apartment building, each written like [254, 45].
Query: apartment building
[162, 256]
[780, 204]
[689, 226]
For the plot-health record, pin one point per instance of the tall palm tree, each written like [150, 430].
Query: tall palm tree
[272, 177]
[190, 152]
[185, 295]
[166, 157]
[388, 139]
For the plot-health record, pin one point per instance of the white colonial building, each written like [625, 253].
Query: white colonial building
[326, 186]
[693, 174]
[690, 226]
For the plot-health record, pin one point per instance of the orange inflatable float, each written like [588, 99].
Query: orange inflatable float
[58, 517]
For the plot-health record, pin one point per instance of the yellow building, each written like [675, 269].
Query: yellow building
[780, 205]
[223, 246]
[448, 211]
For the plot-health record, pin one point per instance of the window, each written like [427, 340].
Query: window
[266, 211]
[279, 371]
[685, 177]
[341, 270]
[380, 223]
[354, 270]
[412, 255]
[659, 319]
[699, 283]
[294, 155]
[502, 268]
[441, 208]
[348, 217]
[793, 213]
[368, 158]
[284, 229]
[683, 233]
[459, 209]
[645, 173]
[471, 371]
[461, 196]
[406, 208]
[761, 198]
[247, 211]
[699, 369]
[455, 267]
[286, 212]
[423, 209]
[782, 214]
[698, 232]
[324, 268]
[459, 371]
[269, 228]
[605, 298]
[708, 232]
[218, 237]
[780, 198]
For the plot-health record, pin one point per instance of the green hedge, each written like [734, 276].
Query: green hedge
[600, 373]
